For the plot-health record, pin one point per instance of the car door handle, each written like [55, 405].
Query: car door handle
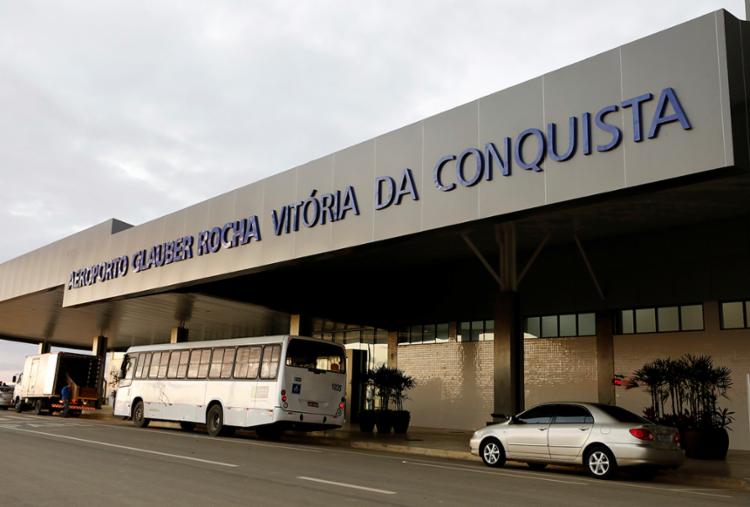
[542, 429]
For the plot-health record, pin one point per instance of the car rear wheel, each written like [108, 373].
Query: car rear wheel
[600, 463]
[492, 453]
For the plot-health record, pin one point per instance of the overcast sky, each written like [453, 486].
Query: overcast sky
[136, 109]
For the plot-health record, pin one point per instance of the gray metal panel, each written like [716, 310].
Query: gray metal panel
[316, 175]
[355, 166]
[686, 58]
[588, 86]
[506, 114]
[395, 152]
[448, 133]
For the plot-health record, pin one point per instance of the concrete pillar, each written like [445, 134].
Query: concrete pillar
[453, 331]
[392, 349]
[300, 325]
[99, 348]
[605, 357]
[178, 335]
[508, 355]
[43, 347]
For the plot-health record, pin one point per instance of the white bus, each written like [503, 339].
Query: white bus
[269, 383]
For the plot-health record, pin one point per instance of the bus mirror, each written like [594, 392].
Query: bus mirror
[14, 379]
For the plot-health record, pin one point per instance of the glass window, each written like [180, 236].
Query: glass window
[428, 333]
[248, 362]
[549, 326]
[442, 332]
[143, 361]
[669, 319]
[626, 321]
[163, 364]
[533, 326]
[315, 356]
[691, 318]
[199, 361]
[476, 330]
[403, 336]
[173, 362]
[572, 414]
[216, 360]
[270, 364]
[489, 331]
[586, 324]
[645, 320]
[127, 366]
[182, 365]
[464, 331]
[619, 414]
[568, 325]
[538, 415]
[415, 334]
[228, 363]
[154, 370]
[732, 315]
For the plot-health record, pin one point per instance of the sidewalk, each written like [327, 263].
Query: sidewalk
[733, 473]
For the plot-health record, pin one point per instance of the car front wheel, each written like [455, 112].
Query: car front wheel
[600, 463]
[492, 452]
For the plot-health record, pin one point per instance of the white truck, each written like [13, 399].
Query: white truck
[40, 385]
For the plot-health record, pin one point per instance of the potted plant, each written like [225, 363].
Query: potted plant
[684, 394]
[382, 379]
[400, 384]
[367, 416]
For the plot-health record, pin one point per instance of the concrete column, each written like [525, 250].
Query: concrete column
[508, 355]
[453, 331]
[178, 334]
[99, 348]
[392, 349]
[300, 325]
[43, 347]
[605, 357]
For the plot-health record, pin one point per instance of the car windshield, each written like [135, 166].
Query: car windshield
[621, 415]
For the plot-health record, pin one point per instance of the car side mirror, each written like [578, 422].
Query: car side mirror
[514, 420]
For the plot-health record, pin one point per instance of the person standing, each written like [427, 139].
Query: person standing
[65, 395]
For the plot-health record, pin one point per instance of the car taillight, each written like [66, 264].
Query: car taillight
[642, 434]
[342, 405]
[283, 395]
[676, 438]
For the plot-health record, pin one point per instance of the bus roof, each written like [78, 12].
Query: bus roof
[233, 342]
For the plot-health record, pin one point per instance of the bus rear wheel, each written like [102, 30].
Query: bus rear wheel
[139, 418]
[215, 420]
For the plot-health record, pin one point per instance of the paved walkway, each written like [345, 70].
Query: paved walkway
[733, 473]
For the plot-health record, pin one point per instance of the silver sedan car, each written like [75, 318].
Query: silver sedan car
[6, 397]
[599, 437]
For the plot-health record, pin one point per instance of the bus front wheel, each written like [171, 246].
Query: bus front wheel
[139, 418]
[215, 420]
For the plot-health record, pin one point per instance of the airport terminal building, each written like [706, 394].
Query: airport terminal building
[528, 246]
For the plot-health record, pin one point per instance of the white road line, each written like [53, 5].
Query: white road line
[522, 475]
[136, 449]
[172, 433]
[345, 485]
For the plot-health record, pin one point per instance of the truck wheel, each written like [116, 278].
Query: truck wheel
[138, 415]
[19, 406]
[38, 407]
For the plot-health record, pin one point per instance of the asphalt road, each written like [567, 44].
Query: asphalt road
[53, 461]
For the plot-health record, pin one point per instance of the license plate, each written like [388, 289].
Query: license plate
[312, 404]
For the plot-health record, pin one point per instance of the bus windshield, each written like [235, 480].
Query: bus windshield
[315, 356]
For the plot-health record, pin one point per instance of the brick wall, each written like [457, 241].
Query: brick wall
[454, 383]
[560, 369]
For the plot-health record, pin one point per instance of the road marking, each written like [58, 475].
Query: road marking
[522, 475]
[668, 490]
[345, 485]
[172, 433]
[128, 448]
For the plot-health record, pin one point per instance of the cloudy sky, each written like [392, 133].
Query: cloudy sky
[136, 109]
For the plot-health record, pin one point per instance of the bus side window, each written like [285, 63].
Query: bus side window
[270, 365]
[248, 362]
[182, 365]
[227, 363]
[163, 364]
[216, 360]
[204, 363]
[173, 360]
[154, 369]
[143, 363]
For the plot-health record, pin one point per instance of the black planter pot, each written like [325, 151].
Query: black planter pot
[401, 420]
[706, 444]
[367, 421]
[384, 421]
